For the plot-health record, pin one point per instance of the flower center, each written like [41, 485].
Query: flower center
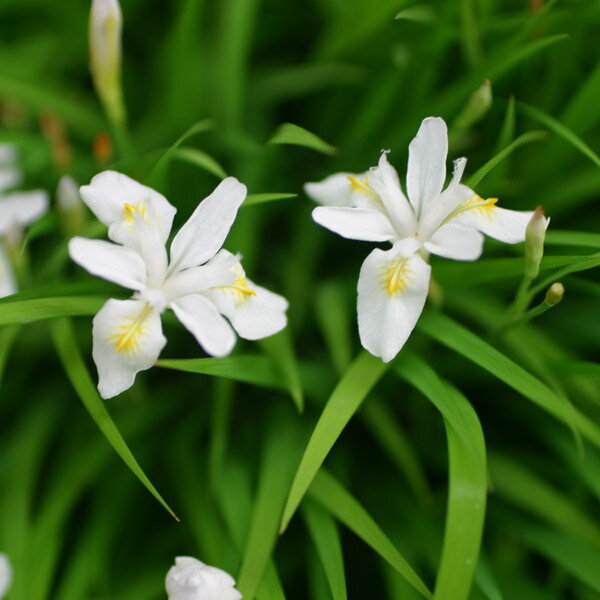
[130, 210]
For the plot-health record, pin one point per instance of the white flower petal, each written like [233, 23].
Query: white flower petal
[9, 177]
[118, 264]
[505, 225]
[456, 242]
[128, 338]
[384, 181]
[355, 223]
[21, 208]
[8, 284]
[205, 231]
[427, 155]
[392, 290]
[335, 190]
[202, 319]
[115, 199]
[5, 575]
[190, 579]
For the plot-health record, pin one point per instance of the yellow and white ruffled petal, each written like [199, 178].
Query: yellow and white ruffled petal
[115, 199]
[22, 208]
[5, 575]
[426, 171]
[202, 319]
[456, 242]
[355, 223]
[499, 223]
[8, 284]
[128, 339]
[205, 231]
[335, 190]
[384, 181]
[392, 290]
[254, 311]
[109, 261]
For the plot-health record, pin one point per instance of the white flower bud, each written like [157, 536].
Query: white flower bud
[191, 579]
[555, 294]
[477, 106]
[5, 575]
[534, 242]
[106, 22]
[70, 205]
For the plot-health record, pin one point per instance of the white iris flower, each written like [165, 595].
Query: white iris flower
[204, 285]
[393, 284]
[5, 575]
[17, 209]
[191, 579]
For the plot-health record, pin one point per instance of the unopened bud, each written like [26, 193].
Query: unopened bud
[477, 106]
[534, 242]
[106, 22]
[554, 294]
[70, 205]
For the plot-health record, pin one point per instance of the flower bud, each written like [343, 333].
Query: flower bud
[105, 55]
[70, 205]
[554, 294]
[534, 242]
[191, 579]
[5, 575]
[477, 106]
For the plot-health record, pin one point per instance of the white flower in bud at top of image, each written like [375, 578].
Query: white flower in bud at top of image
[393, 284]
[203, 284]
[191, 579]
[17, 210]
[5, 575]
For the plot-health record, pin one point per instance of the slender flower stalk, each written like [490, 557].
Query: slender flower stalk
[451, 222]
[191, 579]
[203, 284]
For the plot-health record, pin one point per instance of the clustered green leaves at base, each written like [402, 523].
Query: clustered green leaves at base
[465, 468]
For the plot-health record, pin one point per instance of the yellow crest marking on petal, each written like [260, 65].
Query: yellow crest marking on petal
[396, 276]
[475, 202]
[127, 335]
[129, 211]
[360, 184]
[240, 290]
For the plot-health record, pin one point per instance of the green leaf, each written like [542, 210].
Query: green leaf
[468, 478]
[559, 129]
[583, 239]
[585, 264]
[280, 349]
[254, 369]
[574, 556]
[254, 199]
[276, 470]
[326, 538]
[526, 138]
[8, 336]
[351, 390]
[66, 345]
[338, 501]
[288, 133]
[200, 159]
[446, 331]
[25, 311]
[526, 490]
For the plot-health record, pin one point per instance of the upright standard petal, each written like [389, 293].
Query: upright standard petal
[191, 579]
[484, 215]
[456, 242]
[335, 190]
[116, 200]
[427, 155]
[6, 575]
[204, 233]
[202, 319]
[355, 223]
[383, 180]
[118, 264]
[8, 284]
[392, 289]
[128, 339]
[21, 208]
